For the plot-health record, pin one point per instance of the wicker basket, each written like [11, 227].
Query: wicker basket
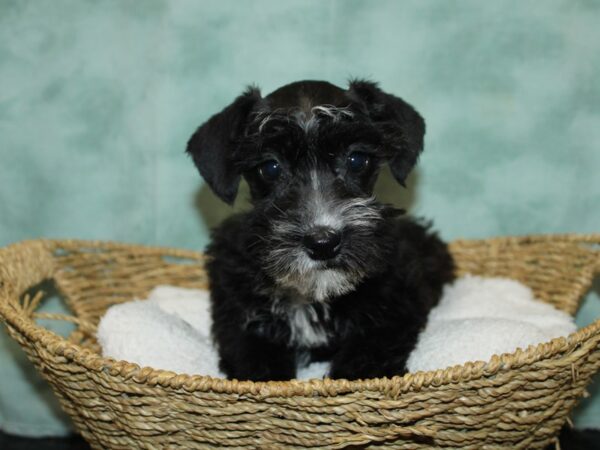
[517, 400]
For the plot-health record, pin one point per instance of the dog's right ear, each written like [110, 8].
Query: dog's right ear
[214, 142]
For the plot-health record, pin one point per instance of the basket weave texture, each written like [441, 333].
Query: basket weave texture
[517, 400]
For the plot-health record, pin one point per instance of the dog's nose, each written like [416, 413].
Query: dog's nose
[322, 243]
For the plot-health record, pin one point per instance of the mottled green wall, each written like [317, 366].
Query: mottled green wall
[97, 100]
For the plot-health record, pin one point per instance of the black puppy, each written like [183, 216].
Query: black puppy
[318, 269]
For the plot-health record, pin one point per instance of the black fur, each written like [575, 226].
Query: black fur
[273, 306]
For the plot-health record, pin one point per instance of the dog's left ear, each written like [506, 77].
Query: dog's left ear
[214, 142]
[401, 125]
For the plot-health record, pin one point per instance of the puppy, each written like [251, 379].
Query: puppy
[318, 269]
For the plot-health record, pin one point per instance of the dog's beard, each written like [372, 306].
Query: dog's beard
[290, 266]
[313, 280]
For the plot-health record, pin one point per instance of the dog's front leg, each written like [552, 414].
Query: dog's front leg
[380, 354]
[251, 357]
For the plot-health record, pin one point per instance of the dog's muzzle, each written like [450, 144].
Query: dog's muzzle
[322, 243]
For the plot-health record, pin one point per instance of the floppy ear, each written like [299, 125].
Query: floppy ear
[402, 127]
[214, 142]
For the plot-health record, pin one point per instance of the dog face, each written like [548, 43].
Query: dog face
[311, 153]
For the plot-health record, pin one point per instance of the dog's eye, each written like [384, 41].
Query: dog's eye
[357, 162]
[269, 170]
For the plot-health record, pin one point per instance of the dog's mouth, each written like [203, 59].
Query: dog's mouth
[331, 264]
[319, 284]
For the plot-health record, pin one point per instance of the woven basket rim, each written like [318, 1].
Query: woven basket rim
[468, 371]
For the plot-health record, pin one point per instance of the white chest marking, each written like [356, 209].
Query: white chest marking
[306, 328]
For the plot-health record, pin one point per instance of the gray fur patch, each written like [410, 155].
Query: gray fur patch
[305, 326]
[306, 121]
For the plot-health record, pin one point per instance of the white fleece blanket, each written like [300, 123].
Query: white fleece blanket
[476, 318]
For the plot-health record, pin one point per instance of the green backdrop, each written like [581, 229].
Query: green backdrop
[97, 100]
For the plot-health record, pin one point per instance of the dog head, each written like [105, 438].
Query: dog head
[311, 152]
